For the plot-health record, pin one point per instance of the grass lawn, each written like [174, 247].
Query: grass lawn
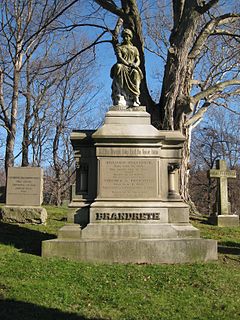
[38, 288]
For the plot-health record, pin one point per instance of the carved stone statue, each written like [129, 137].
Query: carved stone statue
[126, 73]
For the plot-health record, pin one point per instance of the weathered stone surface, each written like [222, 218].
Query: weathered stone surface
[133, 250]
[227, 220]
[129, 196]
[24, 186]
[222, 174]
[24, 196]
[223, 217]
[81, 215]
[128, 178]
[35, 215]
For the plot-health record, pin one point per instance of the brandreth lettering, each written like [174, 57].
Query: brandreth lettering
[127, 216]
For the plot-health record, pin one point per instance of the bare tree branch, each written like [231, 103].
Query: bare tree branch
[213, 89]
[93, 44]
[207, 30]
[45, 25]
[116, 31]
[110, 6]
[76, 25]
[225, 106]
[178, 6]
[198, 115]
[222, 32]
[156, 53]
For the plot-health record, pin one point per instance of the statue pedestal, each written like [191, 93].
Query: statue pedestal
[127, 183]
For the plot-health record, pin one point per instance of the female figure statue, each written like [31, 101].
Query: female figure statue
[126, 73]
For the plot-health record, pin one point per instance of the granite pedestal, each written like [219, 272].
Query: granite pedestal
[128, 209]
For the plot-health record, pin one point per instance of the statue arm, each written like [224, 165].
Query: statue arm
[137, 61]
[120, 58]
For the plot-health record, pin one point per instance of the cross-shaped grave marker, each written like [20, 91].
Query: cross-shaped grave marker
[224, 216]
[222, 173]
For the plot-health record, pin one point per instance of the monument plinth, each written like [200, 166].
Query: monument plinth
[128, 208]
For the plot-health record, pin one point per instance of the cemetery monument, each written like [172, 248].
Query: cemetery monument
[222, 215]
[128, 207]
[24, 196]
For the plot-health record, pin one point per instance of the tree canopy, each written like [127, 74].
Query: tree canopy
[50, 50]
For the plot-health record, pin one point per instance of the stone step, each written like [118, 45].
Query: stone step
[70, 231]
[133, 251]
[118, 231]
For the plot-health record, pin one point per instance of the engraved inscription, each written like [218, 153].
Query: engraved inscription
[128, 152]
[127, 216]
[128, 178]
[23, 185]
[221, 173]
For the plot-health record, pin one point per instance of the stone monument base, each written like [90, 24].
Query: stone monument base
[152, 251]
[23, 214]
[228, 220]
[120, 234]
[128, 207]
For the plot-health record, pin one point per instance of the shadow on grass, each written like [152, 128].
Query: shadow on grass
[28, 241]
[61, 219]
[202, 219]
[228, 247]
[17, 310]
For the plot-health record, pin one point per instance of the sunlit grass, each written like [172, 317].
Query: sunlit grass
[32, 287]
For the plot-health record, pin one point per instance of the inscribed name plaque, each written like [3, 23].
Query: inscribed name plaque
[24, 186]
[126, 215]
[128, 178]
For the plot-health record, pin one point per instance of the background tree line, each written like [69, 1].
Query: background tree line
[48, 66]
[217, 137]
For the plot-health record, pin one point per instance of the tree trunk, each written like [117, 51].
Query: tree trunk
[184, 172]
[9, 157]
[175, 90]
[175, 95]
[57, 167]
[26, 140]
[11, 135]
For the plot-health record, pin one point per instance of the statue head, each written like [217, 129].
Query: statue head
[127, 32]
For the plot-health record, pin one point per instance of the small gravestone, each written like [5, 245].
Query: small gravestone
[24, 196]
[223, 217]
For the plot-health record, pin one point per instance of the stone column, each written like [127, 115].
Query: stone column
[172, 191]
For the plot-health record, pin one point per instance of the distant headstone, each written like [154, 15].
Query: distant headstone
[24, 196]
[223, 217]
[24, 186]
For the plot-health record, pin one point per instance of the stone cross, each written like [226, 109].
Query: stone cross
[222, 173]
